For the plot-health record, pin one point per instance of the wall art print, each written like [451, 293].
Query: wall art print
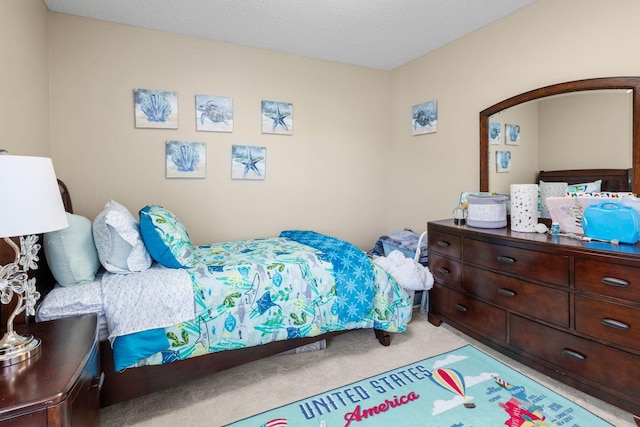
[156, 108]
[495, 133]
[186, 159]
[214, 113]
[248, 162]
[424, 118]
[503, 161]
[277, 117]
[511, 134]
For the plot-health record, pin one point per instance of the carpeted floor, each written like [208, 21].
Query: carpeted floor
[243, 391]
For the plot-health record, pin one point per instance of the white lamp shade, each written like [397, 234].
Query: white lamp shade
[31, 201]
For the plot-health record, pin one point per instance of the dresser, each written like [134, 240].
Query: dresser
[567, 308]
[60, 386]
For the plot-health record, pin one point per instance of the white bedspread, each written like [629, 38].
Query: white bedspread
[155, 298]
[74, 301]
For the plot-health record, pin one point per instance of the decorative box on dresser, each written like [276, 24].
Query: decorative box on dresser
[567, 308]
[60, 386]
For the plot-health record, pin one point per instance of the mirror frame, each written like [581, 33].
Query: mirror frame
[630, 83]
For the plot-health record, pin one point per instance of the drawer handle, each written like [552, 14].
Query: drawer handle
[506, 292]
[443, 270]
[443, 244]
[100, 381]
[612, 281]
[461, 308]
[506, 259]
[615, 324]
[573, 354]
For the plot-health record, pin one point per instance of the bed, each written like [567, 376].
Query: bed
[247, 299]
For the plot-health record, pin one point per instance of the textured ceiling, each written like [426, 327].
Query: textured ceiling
[381, 34]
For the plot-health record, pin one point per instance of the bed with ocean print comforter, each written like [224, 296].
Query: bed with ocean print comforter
[252, 292]
[170, 311]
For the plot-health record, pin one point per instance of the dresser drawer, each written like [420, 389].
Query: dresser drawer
[618, 281]
[445, 243]
[542, 302]
[618, 324]
[613, 370]
[477, 315]
[446, 271]
[533, 265]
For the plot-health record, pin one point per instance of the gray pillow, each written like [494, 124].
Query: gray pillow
[117, 239]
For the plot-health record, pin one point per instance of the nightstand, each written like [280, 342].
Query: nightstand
[60, 386]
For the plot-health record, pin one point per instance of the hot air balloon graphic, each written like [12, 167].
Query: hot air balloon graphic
[453, 381]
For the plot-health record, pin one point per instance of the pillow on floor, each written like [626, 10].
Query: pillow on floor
[70, 252]
[166, 237]
[118, 242]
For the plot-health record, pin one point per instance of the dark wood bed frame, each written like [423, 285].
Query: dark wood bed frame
[612, 179]
[135, 382]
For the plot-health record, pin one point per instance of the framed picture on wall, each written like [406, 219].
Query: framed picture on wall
[511, 134]
[155, 108]
[248, 162]
[186, 159]
[277, 117]
[424, 118]
[214, 113]
[495, 133]
[503, 161]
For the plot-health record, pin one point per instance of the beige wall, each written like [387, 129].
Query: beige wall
[24, 78]
[352, 167]
[589, 130]
[549, 42]
[330, 175]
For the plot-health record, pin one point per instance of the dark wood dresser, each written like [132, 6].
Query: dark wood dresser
[60, 386]
[567, 308]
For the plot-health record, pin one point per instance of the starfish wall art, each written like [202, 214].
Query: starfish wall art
[248, 162]
[277, 117]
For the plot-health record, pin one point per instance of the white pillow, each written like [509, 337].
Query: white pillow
[70, 252]
[117, 238]
[586, 187]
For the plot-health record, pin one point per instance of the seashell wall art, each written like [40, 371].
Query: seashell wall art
[186, 159]
[156, 108]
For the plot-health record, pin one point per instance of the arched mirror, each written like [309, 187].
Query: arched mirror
[516, 139]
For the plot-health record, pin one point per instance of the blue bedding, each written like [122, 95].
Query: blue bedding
[252, 292]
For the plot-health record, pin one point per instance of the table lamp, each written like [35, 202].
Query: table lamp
[31, 205]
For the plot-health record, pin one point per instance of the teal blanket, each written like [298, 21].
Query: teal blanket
[252, 292]
[351, 266]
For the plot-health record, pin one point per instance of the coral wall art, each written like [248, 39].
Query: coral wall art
[277, 117]
[214, 113]
[511, 134]
[248, 162]
[495, 133]
[186, 159]
[156, 108]
[424, 118]
[503, 161]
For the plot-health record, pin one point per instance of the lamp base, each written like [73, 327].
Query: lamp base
[16, 348]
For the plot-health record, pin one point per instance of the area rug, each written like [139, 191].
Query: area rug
[462, 388]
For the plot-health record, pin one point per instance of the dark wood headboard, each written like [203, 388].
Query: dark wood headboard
[612, 179]
[44, 278]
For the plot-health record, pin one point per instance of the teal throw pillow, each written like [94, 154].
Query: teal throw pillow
[71, 253]
[165, 237]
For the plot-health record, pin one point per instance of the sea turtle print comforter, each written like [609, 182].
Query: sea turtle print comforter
[253, 292]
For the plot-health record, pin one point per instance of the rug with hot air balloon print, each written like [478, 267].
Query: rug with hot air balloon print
[462, 388]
